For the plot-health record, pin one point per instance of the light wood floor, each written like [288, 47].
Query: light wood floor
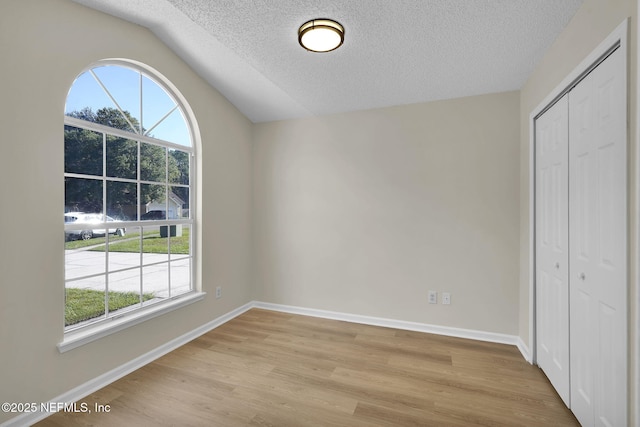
[267, 368]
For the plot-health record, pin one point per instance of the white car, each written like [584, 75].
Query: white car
[90, 219]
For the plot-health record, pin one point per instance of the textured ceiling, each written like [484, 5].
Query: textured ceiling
[395, 51]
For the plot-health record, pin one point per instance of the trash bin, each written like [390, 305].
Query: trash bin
[171, 230]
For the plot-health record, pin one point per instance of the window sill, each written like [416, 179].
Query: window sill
[89, 334]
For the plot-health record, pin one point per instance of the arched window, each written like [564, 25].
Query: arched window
[129, 195]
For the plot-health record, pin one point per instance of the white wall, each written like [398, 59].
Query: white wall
[365, 212]
[593, 22]
[44, 45]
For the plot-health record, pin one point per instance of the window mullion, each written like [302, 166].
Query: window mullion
[192, 162]
[166, 191]
[192, 228]
[104, 175]
[138, 185]
[104, 224]
[139, 209]
[141, 265]
[169, 263]
[141, 132]
[107, 275]
[83, 176]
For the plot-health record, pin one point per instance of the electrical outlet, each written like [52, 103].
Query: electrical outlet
[446, 298]
[218, 292]
[433, 297]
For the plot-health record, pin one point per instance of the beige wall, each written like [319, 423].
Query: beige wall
[365, 212]
[43, 46]
[593, 22]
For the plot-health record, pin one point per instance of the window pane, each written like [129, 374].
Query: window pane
[83, 195]
[178, 167]
[122, 202]
[178, 202]
[124, 289]
[153, 163]
[124, 252]
[155, 245]
[124, 86]
[173, 129]
[156, 103]
[122, 157]
[155, 280]
[153, 200]
[84, 300]
[180, 244]
[81, 263]
[174, 205]
[85, 97]
[180, 277]
[114, 118]
[82, 151]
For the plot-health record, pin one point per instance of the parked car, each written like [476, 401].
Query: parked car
[157, 214]
[90, 219]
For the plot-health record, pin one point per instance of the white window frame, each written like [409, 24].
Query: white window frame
[91, 331]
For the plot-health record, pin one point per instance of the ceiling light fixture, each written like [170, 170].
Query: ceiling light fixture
[321, 35]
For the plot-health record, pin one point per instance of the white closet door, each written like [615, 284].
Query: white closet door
[552, 254]
[597, 208]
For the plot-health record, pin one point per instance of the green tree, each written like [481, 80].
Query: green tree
[179, 174]
[84, 155]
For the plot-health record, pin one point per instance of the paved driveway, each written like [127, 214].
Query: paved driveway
[129, 272]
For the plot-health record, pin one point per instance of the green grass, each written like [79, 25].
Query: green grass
[152, 245]
[78, 244]
[85, 304]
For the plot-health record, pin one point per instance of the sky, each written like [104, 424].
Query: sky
[124, 85]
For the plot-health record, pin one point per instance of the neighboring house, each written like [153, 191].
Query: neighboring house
[174, 208]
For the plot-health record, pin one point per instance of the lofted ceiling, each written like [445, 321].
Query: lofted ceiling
[395, 51]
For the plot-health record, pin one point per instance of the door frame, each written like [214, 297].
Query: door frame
[618, 37]
[636, 262]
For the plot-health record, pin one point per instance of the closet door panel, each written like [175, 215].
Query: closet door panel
[597, 230]
[610, 144]
[582, 208]
[552, 288]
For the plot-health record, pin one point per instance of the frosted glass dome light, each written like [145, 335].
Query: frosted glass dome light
[321, 35]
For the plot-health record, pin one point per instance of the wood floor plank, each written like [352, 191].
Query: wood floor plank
[267, 368]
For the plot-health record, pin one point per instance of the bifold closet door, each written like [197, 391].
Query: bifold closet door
[597, 244]
[552, 252]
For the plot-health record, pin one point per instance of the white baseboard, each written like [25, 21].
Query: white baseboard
[107, 378]
[401, 324]
[83, 390]
[524, 350]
